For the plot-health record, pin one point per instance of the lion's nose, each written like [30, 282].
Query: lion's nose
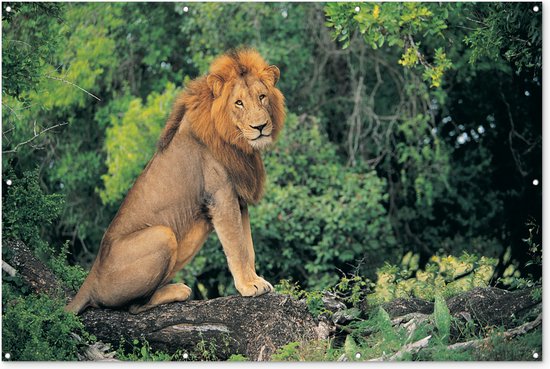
[259, 127]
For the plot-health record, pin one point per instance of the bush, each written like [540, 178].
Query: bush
[318, 215]
[37, 328]
[447, 275]
[130, 141]
[26, 209]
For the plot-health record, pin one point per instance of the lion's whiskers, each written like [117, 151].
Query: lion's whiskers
[236, 136]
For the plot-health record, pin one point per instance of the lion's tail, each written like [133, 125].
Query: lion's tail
[82, 299]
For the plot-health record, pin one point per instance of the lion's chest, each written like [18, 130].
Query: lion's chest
[244, 173]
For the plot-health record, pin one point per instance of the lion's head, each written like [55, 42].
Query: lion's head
[247, 109]
[235, 110]
[237, 102]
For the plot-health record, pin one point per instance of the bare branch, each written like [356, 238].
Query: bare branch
[36, 134]
[11, 109]
[412, 348]
[8, 269]
[518, 331]
[73, 84]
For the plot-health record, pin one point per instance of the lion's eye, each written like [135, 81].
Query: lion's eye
[239, 103]
[262, 97]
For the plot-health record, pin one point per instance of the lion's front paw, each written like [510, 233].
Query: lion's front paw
[256, 287]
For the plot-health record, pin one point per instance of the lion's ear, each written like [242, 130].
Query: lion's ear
[272, 74]
[215, 83]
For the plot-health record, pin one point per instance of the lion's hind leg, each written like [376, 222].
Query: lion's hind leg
[137, 267]
[164, 295]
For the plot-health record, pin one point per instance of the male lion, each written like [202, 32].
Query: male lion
[205, 172]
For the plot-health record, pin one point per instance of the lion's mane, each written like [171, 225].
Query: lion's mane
[209, 122]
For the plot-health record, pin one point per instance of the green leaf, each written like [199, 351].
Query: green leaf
[442, 318]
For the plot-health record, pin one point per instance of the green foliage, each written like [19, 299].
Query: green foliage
[324, 214]
[237, 357]
[522, 348]
[83, 66]
[353, 290]
[25, 55]
[512, 277]
[130, 141]
[36, 328]
[305, 351]
[276, 29]
[508, 30]
[394, 24]
[313, 299]
[382, 339]
[442, 319]
[287, 352]
[141, 351]
[211, 349]
[535, 247]
[27, 210]
[447, 276]
[71, 275]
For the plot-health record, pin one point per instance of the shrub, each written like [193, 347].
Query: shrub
[37, 328]
[26, 209]
[318, 215]
[130, 141]
[447, 275]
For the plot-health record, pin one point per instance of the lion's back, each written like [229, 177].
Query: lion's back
[168, 192]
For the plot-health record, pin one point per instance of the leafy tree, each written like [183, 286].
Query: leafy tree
[130, 142]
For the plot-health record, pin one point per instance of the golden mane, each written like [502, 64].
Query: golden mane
[209, 121]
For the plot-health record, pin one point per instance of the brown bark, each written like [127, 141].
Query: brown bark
[34, 272]
[254, 327]
[488, 306]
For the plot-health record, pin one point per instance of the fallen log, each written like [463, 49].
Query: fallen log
[253, 327]
[487, 306]
[33, 271]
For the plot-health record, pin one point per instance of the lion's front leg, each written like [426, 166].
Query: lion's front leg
[233, 229]
[259, 286]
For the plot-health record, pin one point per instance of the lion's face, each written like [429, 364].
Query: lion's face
[248, 110]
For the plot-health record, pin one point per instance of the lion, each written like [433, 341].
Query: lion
[206, 171]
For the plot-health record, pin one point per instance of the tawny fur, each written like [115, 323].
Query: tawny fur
[206, 171]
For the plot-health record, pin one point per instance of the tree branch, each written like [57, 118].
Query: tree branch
[73, 84]
[412, 348]
[254, 327]
[36, 134]
[8, 269]
[511, 333]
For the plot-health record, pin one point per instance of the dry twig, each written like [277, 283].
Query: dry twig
[412, 348]
[8, 269]
[36, 134]
[75, 85]
[518, 331]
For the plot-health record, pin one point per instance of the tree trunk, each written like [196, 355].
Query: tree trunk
[254, 327]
